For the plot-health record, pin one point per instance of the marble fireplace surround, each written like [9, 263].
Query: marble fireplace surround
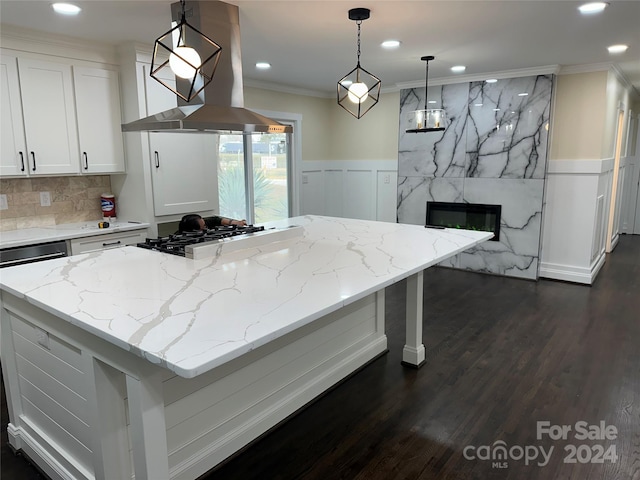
[494, 151]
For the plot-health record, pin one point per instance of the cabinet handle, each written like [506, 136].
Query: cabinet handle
[33, 157]
[86, 161]
[21, 162]
[111, 244]
[157, 157]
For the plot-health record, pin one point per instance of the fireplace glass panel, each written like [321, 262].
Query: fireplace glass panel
[468, 216]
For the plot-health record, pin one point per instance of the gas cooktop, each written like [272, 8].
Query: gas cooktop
[175, 244]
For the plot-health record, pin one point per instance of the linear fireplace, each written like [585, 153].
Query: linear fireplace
[469, 216]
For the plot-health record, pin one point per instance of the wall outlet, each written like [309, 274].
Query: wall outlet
[4, 205]
[42, 337]
[387, 178]
[45, 199]
[305, 179]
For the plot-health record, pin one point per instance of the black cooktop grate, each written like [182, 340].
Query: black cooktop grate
[175, 244]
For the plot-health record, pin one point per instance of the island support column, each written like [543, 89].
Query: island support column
[413, 353]
[148, 428]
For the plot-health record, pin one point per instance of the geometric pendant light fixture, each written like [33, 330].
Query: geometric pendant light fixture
[192, 56]
[428, 119]
[358, 90]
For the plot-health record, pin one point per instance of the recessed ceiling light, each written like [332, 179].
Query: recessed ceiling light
[477, 104]
[390, 44]
[496, 109]
[524, 94]
[592, 7]
[431, 101]
[66, 8]
[492, 80]
[458, 68]
[617, 48]
[263, 65]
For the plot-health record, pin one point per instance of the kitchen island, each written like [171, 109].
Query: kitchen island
[134, 362]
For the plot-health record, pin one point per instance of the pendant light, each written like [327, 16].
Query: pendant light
[429, 119]
[193, 57]
[358, 90]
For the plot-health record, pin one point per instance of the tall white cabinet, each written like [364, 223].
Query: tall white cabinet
[183, 169]
[60, 118]
[169, 174]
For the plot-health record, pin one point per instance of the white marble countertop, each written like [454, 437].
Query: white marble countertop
[32, 236]
[190, 316]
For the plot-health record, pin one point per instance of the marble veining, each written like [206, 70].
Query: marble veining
[192, 315]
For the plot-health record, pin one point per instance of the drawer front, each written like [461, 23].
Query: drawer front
[104, 242]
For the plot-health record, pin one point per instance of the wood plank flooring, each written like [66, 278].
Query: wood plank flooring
[502, 355]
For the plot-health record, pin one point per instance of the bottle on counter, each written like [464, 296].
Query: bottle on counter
[108, 205]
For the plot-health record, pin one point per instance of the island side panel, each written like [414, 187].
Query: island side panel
[206, 418]
[211, 416]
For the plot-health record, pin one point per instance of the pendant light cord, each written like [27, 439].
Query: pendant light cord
[426, 86]
[358, 22]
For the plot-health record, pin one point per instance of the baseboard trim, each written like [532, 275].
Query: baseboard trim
[569, 273]
[20, 439]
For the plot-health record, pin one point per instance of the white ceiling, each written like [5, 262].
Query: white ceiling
[311, 44]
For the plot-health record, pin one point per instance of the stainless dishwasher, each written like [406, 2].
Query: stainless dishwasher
[32, 253]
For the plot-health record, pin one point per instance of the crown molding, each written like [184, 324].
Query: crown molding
[586, 68]
[481, 77]
[34, 41]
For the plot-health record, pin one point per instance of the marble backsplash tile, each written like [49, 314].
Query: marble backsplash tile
[73, 199]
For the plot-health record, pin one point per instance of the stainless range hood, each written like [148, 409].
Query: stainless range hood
[220, 106]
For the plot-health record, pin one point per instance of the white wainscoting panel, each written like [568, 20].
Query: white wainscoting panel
[575, 218]
[386, 198]
[359, 189]
[312, 192]
[630, 196]
[334, 189]
[360, 197]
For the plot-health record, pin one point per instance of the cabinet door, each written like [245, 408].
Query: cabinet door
[49, 117]
[97, 95]
[158, 97]
[13, 150]
[183, 172]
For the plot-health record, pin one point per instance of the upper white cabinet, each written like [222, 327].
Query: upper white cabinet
[62, 119]
[49, 117]
[13, 149]
[98, 109]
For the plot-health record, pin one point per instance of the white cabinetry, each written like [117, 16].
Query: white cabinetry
[184, 165]
[99, 118]
[106, 241]
[56, 111]
[13, 149]
[49, 117]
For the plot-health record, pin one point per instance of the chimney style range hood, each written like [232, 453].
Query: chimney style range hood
[219, 108]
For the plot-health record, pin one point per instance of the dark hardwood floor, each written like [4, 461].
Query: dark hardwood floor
[502, 355]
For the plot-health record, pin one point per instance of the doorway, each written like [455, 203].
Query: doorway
[257, 174]
[614, 205]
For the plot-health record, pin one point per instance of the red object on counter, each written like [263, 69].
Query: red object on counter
[108, 202]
